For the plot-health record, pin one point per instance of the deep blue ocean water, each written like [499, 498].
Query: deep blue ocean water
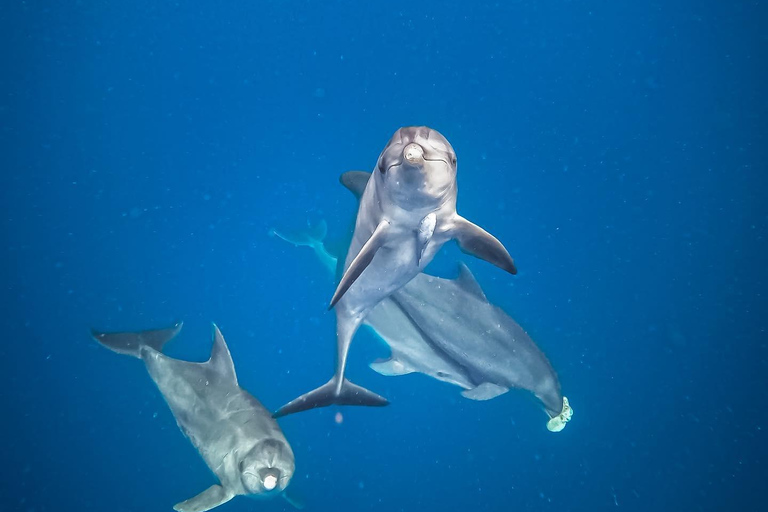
[616, 148]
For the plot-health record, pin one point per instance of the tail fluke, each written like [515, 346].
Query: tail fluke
[331, 394]
[312, 238]
[130, 343]
[307, 238]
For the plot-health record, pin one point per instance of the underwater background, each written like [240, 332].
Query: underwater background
[618, 149]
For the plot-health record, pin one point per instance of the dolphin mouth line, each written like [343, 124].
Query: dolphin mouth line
[393, 165]
[425, 159]
[437, 160]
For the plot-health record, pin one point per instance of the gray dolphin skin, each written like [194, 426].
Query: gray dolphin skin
[407, 211]
[236, 436]
[447, 329]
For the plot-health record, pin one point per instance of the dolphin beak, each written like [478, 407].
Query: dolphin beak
[413, 154]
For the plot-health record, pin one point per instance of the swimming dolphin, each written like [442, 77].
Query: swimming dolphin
[447, 329]
[236, 436]
[407, 211]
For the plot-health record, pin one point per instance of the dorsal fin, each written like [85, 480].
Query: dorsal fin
[467, 282]
[355, 181]
[221, 360]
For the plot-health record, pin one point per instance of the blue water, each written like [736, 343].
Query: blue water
[618, 149]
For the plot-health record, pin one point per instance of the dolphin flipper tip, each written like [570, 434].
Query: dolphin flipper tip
[474, 240]
[210, 498]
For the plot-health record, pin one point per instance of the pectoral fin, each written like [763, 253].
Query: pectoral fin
[390, 367]
[210, 498]
[478, 242]
[484, 391]
[361, 261]
[294, 500]
[426, 230]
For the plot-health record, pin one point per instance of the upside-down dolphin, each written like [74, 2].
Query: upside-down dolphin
[236, 436]
[407, 211]
[447, 329]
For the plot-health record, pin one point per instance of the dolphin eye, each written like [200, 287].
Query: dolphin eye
[453, 159]
[381, 167]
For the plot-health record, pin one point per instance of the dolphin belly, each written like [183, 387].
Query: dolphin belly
[412, 350]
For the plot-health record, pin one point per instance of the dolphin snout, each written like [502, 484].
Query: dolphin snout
[413, 154]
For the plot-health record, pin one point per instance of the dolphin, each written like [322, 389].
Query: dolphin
[236, 436]
[407, 211]
[447, 329]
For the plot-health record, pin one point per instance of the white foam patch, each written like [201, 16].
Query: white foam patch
[270, 482]
[557, 423]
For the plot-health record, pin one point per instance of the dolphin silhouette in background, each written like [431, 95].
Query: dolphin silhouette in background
[407, 211]
[236, 436]
[447, 329]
